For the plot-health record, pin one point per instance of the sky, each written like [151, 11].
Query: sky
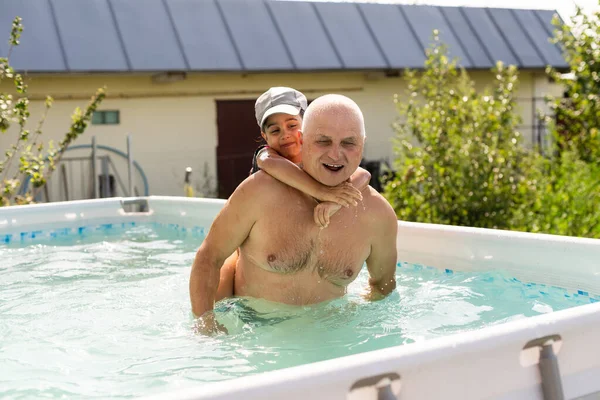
[565, 8]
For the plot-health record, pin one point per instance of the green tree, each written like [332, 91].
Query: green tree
[575, 117]
[568, 193]
[459, 155]
[28, 150]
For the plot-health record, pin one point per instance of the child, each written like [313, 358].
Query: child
[279, 114]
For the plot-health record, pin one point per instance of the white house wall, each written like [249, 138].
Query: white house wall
[173, 125]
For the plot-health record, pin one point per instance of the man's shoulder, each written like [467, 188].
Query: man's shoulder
[379, 208]
[258, 185]
[377, 203]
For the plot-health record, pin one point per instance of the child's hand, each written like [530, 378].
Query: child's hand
[343, 194]
[324, 211]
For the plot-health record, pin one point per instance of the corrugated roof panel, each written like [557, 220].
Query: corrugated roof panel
[424, 19]
[256, 35]
[516, 38]
[490, 36]
[471, 43]
[310, 47]
[89, 35]
[350, 35]
[266, 35]
[397, 41]
[204, 37]
[540, 38]
[545, 17]
[40, 48]
[148, 35]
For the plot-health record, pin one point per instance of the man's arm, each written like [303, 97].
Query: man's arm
[228, 231]
[381, 263]
[289, 173]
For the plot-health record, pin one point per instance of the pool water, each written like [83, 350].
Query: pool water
[105, 313]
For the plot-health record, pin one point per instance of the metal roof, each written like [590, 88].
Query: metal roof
[266, 35]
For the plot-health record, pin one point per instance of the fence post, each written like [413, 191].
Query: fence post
[93, 166]
[130, 165]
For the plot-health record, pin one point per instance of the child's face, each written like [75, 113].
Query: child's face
[282, 133]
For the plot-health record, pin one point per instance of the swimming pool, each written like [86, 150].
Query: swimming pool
[486, 362]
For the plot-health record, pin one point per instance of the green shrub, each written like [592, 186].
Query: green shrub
[567, 198]
[460, 159]
[575, 117]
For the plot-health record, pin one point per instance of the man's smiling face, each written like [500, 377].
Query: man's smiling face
[333, 144]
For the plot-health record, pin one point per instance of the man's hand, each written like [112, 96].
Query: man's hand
[324, 211]
[343, 194]
[208, 325]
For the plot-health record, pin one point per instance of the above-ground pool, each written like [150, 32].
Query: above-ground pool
[95, 304]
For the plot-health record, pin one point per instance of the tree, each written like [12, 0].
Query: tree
[32, 161]
[575, 117]
[459, 155]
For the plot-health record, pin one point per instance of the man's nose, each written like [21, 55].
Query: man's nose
[334, 152]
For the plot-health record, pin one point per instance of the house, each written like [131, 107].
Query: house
[182, 75]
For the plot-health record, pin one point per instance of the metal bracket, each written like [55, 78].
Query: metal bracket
[382, 387]
[548, 366]
[135, 205]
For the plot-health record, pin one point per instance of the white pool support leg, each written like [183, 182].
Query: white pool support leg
[550, 374]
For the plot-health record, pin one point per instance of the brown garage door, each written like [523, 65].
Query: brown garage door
[239, 136]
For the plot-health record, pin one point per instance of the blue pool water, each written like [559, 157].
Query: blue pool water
[104, 311]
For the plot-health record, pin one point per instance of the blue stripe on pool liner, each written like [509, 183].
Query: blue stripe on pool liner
[201, 231]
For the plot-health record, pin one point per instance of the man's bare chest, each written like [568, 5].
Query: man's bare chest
[290, 242]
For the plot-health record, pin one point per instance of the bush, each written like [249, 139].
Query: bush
[567, 198]
[33, 162]
[460, 159]
[576, 116]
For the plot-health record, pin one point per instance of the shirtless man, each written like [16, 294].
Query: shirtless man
[284, 256]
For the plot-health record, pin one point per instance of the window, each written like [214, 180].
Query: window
[105, 117]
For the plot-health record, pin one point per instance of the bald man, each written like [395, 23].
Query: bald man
[284, 256]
